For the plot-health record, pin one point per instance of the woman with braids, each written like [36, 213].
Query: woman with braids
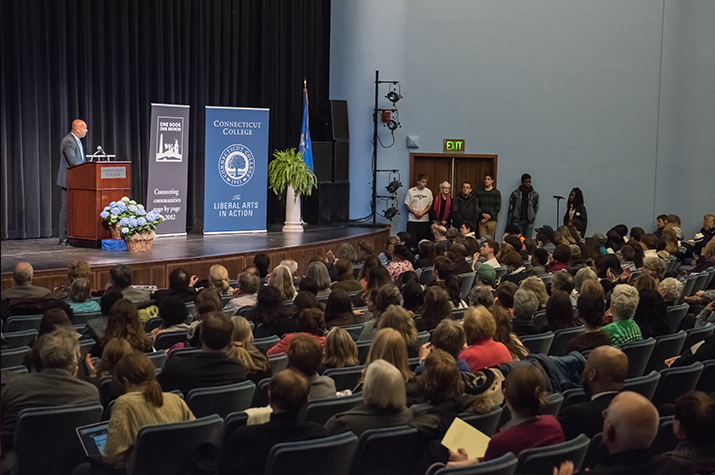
[142, 403]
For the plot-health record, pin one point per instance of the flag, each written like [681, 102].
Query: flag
[306, 147]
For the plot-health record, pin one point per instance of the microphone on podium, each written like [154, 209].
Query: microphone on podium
[101, 151]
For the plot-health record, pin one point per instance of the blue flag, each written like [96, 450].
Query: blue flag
[306, 147]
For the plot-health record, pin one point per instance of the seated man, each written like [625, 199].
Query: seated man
[246, 452]
[603, 378]
[487, 251]
[247, 293]
[181, 287]
[629, 429]
[450, 337]
[346, 279]
[457, 253]
[23, 288]
[694, 426]
[305, 355]
[56, 385]
[120, 277]
[211, 367]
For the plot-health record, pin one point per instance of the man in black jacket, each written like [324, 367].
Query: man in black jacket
[465, 207]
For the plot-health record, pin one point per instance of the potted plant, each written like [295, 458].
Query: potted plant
[129, 220]
[288, 173]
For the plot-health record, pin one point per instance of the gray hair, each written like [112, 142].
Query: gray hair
[536, 285]
[61, 349]
[290, 264]
[526, 303]
[384, 386]
[654, 266]
[347, 251]
[22, 273]
[671, 289]
[248, 282]
[318, 272]
[481, 296]
[582, 276]
[624, 302]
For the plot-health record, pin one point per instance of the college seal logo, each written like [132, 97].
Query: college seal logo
[236, 165]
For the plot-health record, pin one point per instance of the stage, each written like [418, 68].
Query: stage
[195, 253]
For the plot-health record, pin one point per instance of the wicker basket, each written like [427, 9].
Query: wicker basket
[115, 232]
[140, 242]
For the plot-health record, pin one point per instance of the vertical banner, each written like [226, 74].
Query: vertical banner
[236, 175]
[168, 167]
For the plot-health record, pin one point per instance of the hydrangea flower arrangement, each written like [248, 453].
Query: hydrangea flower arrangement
[130, 217]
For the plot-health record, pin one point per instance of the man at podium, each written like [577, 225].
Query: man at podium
[71, 154]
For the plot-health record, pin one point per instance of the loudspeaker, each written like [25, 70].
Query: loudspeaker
[323, 161]
[329, 204]
[339, 118]
[341, 161]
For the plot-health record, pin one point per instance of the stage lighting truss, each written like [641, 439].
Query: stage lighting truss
[394, 94]
[395, 183]
[390, 212]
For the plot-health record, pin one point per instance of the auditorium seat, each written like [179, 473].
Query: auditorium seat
[278, 362]
[319, 411]
[676, 313]
[354, 330]
[13, 357]
[152, 323]
[387, 451]
[45, 438]
[542, 460]
[643, 385]
[267, 343]
[84, 317]
[574, 396]
[221, 400]
[706, 383]
[540, 320]
[22, 322]
[638, 353]
[539, 343]
[486, 423]
[546, 278]
[21, 338]
[231, 424]
[345, 378]
[422, 338]
[332, 454]
[674, 382]
[21, 369]
[363, 348]
[175, 448]
[166, 340]
[561, 339]
[158, 358]
[426, 275]
[467, 283]
[245, 310]
[504, 465]
[666, 440]
[666, 346]
[260, 396]
[696, 335]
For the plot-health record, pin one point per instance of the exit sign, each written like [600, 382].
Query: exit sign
[453, 145]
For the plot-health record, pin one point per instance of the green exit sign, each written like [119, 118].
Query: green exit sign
[453, 145]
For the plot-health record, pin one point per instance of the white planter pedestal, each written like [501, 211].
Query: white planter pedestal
[292, 222]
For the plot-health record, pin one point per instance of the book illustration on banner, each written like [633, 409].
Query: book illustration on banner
[170, 147]
[236, 165]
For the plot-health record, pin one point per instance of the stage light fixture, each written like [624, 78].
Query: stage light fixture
[393, 96]
[392, 124]
[393, 186]
[390, 213]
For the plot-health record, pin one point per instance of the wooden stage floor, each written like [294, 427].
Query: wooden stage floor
[194, 253]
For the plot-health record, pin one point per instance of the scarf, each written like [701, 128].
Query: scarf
[437, 204]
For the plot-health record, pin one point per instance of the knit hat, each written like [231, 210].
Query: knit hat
[600, 238]
[487, 275]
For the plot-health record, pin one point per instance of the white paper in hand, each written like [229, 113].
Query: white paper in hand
[461, 434]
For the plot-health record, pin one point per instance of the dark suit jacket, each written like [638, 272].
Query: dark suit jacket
[584, 418]
[247, 450]
[365, 417]
[70, 155]
[203, 370]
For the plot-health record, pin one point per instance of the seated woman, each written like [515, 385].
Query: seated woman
[559, 312]
[173, 314]
[695, 246]
[52, 319]
[116, 349]
[218, 278]
[141, 404]
[453, 287]
[562, 259]
[319, 273]
[536, 285]
[515, 270]
[269, 308]
[243, 349]
[282, 279]
[505, 334]
[426, 255]
[525, 306]
[413, 297]
[79, 300]
[401, 320]
[483, 351]
[310, 322]
[340, 350]
[672, 244]
[434, 309]
[652, 314]
[339, 309]
[124, 323]
[384, 403]
[377, 303]
[289, 324]
[525, 394]
[370, 263]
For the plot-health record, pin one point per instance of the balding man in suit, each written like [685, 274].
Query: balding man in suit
[71, 154]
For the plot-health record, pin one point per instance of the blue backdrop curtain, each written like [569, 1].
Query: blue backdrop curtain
[106, 61]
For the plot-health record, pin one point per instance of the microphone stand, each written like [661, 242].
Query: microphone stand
[558, 213]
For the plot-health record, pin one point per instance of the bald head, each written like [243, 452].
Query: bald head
[22, 274]
[605, 370]
[288, 391]
[631, 423]
[79, 128]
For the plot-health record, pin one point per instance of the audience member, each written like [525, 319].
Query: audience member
[671, 290]
[563, 281]
[654, 266]
[537, 286]
[120, 277]
[539, 261]
[645, 282]
[481, 296]
[559, 312]
[399, 263]
[96, 327]
[384, 403]
[545, 236]
[319, 272]
[219, 281]
[76, 270]
[441, 270]
[116, 349]
[525, 306]
[505, 296]
[305, 354]
[282, 279]
[489, 247]
[453, 288]
[482, 352]
[246, 452]
[346, 279]
[23, 288]
[485, 277]
[515, 270]
[124, 323]
[694, 426]
[173, 314]
[413, 297]
[457, 253]
[581, 276]
[426, 255]
[242, 349]
[399, 319]
[56, 385]
[366, 248]
[435, 308]
[52, 319]
[212, 366]
[590, 307]
[310, 322]
[262, 262]
[79, 300]
[339, 310]
[449, 336]
[269, 308]
[504, 333]
[247, 293]
[603, 376]
[562, 258]
[624, 329]
[181, 287]
[340, 350]
[652, 314]
[141, 404]
[378, 301]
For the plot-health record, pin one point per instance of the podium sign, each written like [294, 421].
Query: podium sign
[169, 166]
[236, 175]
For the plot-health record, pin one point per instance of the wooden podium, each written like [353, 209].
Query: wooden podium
[90, 187]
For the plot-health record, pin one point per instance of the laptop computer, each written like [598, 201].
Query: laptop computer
[93, 437]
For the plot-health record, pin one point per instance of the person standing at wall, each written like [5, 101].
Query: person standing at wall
[441, 211]
[523, 206]
[490, 202]
[71, 154]
[419, 200]
[466, 207]
[575, 210]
